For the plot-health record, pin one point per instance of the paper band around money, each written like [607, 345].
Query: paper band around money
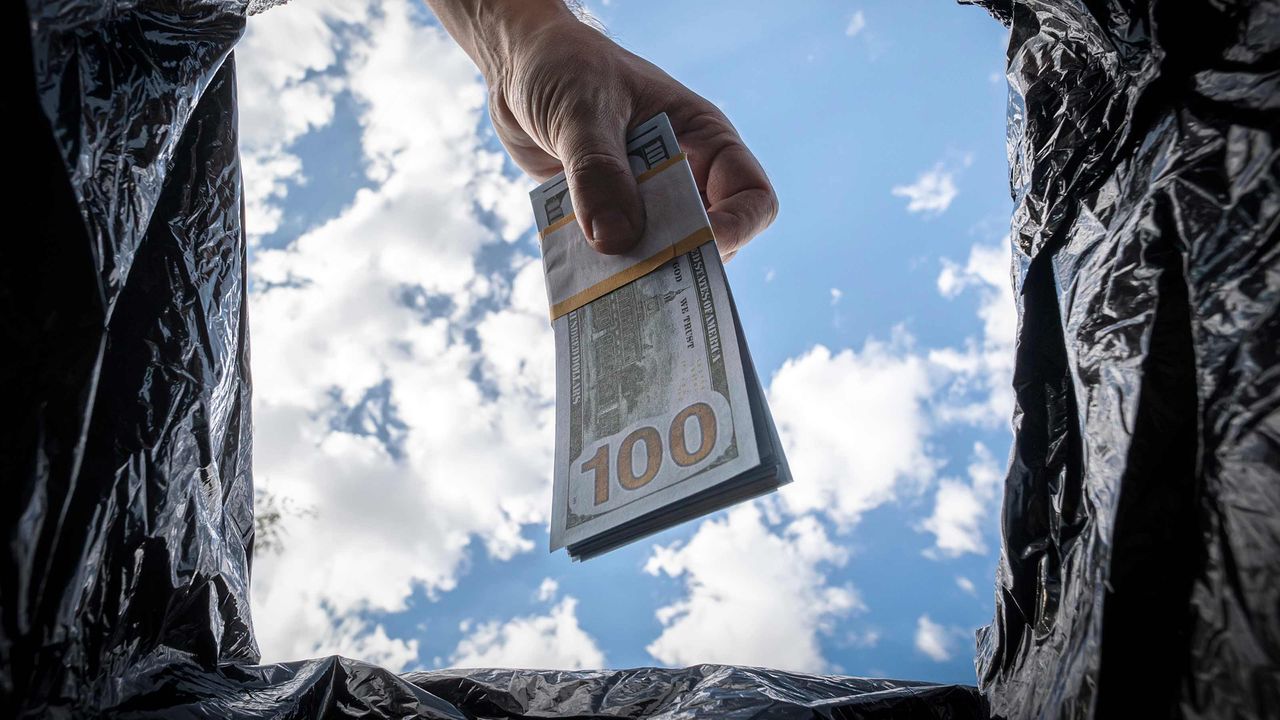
[604, 287]
[676, 223]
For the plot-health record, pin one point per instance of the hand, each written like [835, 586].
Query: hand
[563, 96]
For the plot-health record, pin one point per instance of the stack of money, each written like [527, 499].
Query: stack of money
[660, 417]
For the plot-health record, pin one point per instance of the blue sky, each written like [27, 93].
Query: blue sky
[404, 388]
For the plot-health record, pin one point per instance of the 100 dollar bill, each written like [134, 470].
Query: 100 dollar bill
[652, 397]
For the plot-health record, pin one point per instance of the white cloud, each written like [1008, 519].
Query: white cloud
[963, 513]
[857, 22]
[548, 589]
[353, 637]
[519, 357]
[865, 639]
[831, 408]
[966, 585]
[889, 398]
[769, 275]
[931, 193]
[956, 512]
[823, 402]
[285, 92]
[551, 641]
[464, 395]
[981, 387]
[933, 639]
[409, 433]
[754, 596]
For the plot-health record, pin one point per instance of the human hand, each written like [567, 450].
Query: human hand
[563, 97]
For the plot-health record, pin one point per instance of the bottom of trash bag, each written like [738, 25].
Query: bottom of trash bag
[338, 687]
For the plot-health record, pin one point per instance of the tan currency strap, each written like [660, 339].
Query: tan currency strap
[676, 223]
[639, 270]
[557, 225]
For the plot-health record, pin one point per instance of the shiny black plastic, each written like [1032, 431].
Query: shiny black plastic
[129, 504]
[1141, 561]
[1140, 571]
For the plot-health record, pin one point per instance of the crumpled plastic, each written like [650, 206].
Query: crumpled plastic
[1141, 516]
[1140, 569]
[124, 579]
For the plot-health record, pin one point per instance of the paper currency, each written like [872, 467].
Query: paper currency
[660, 417]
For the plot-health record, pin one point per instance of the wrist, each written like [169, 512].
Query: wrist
[493, 32]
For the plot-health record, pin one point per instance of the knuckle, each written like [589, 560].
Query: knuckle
[730, 241]
[771, 207]
[596, 162]
[500, 112]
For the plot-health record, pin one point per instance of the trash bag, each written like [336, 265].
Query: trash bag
[1140, 568]
[128, 521]
[338, 687]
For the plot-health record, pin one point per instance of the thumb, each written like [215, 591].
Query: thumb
[603, 190]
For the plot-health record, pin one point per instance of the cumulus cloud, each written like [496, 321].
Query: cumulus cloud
[401, 391]
[285, 91]
[890, 397]
[931, 193]
[966, 585]
[550, 641]
[864, 639]
[548, 589]
[857, 23]
[755, 596]
[821, 400]
[978, 391]
[981, 387]
[355, 637]
[403, 388]
[963, 512]
[933, 639]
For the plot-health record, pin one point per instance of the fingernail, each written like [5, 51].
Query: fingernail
[611, 229]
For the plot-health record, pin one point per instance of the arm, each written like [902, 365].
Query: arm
[562, 96]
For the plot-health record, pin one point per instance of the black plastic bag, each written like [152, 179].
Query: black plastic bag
[1141, 521]
[129, 513]
[1140, 569]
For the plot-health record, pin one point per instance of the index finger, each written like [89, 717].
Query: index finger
[740, 200]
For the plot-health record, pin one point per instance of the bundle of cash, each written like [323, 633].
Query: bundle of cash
[660, 417]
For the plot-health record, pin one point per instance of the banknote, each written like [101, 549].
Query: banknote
[660, 416]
